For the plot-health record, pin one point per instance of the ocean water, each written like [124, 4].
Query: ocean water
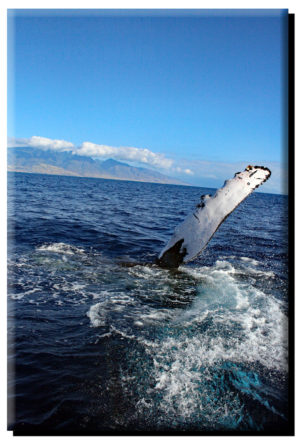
[95, 346]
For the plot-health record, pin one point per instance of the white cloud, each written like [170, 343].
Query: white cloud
[134, 154]
[188, 171]
[185, 171]
[41, 143]
[52, 144]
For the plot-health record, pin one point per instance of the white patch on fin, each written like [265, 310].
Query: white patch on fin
[200, 225]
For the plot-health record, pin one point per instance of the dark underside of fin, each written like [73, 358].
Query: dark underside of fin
[173, 257]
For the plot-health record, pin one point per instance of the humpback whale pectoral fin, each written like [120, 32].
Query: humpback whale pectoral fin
[200, 225]
[173, 257]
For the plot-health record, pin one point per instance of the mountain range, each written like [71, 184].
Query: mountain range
[34, 160]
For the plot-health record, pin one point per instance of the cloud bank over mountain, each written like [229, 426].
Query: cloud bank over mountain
[91, 149]
[197, 172]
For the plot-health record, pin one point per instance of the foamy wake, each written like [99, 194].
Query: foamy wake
[230, 321]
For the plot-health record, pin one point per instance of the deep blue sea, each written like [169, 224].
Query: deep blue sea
[95, 346]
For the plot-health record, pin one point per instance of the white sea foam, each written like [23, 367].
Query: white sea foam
[122, 310]
[61, 248]
[96, 317]
[99, 313]
[250, 260]
[261, 317]
[230, 320]
[254, 331]
[18, 296]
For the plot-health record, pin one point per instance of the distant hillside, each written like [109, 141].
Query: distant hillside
[32, 160]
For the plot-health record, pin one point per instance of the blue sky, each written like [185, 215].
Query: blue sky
[204, 91]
